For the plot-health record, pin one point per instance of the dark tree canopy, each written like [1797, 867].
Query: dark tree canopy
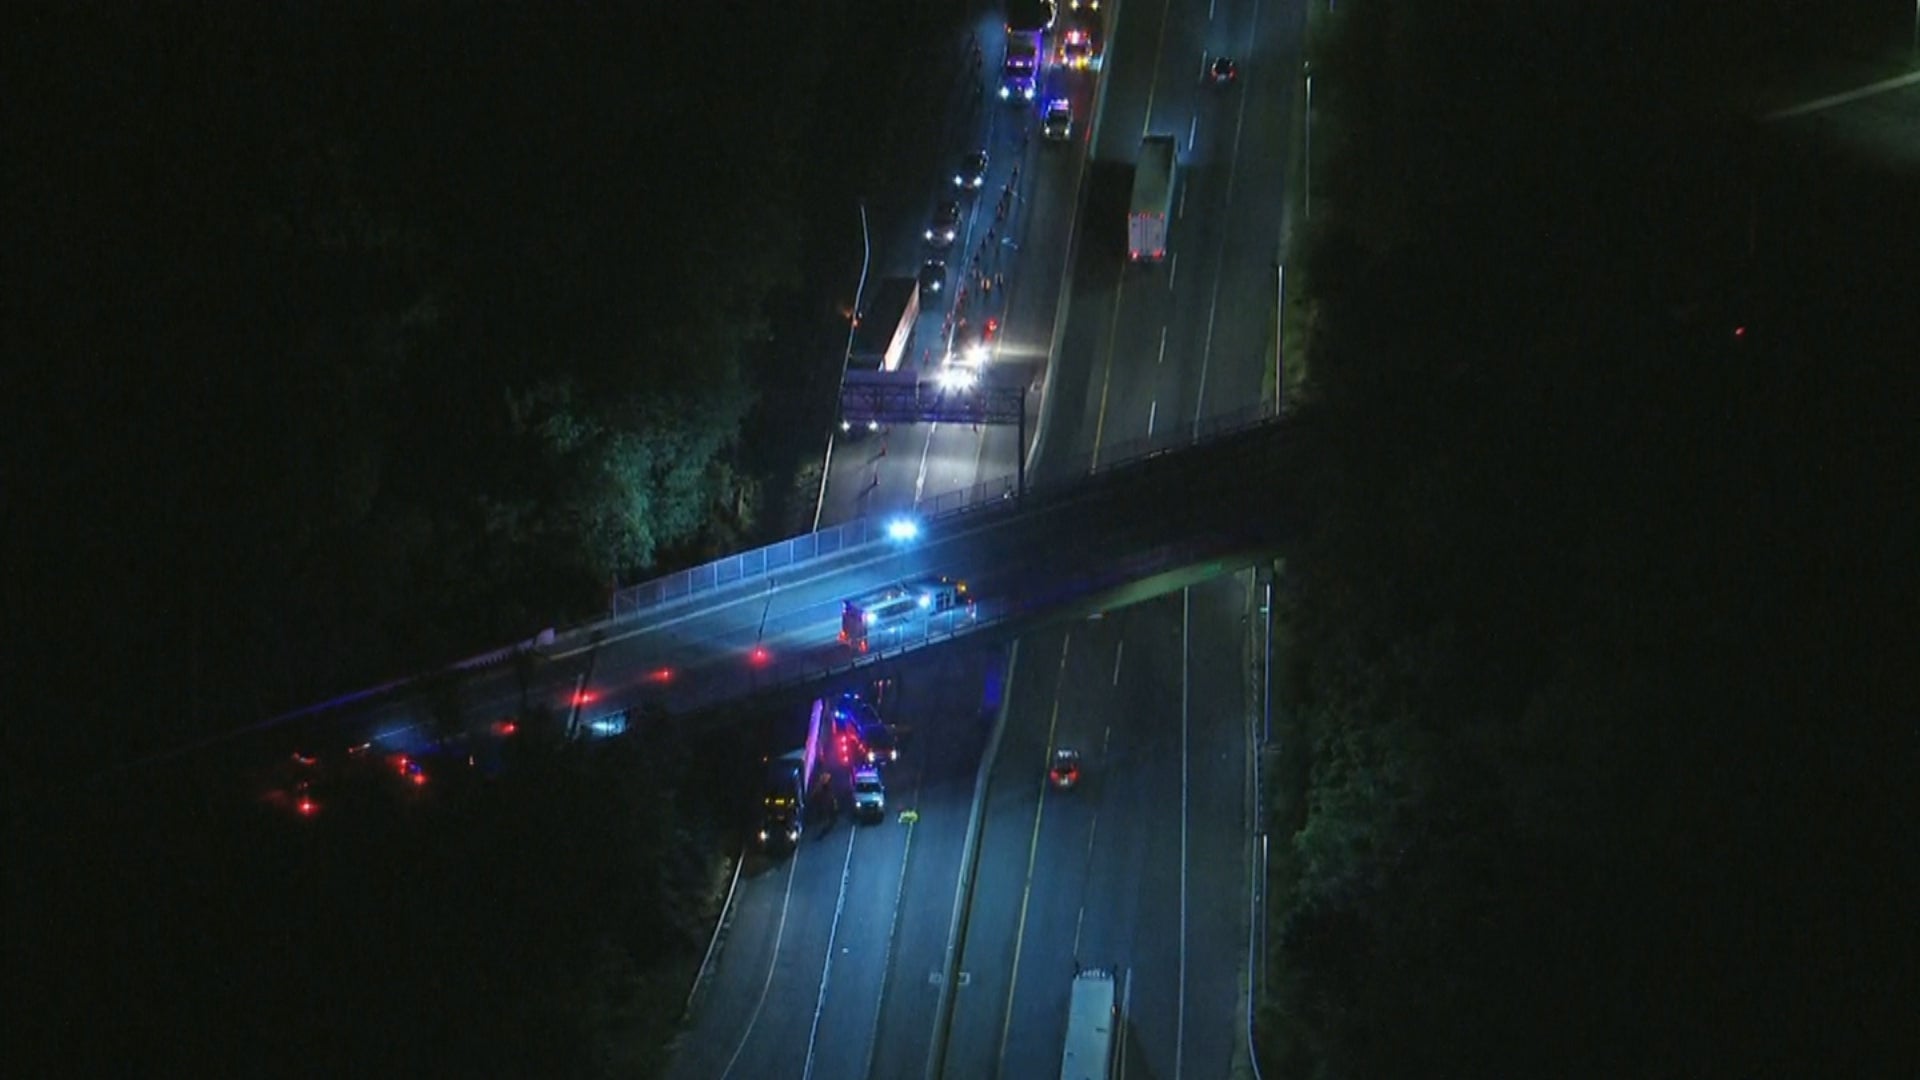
[1601, 703]
[348, 344]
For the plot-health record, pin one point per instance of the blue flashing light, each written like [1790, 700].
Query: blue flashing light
[903, 529]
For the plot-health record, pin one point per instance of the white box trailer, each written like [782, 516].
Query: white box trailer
[1152, 207]
[1091, 1022]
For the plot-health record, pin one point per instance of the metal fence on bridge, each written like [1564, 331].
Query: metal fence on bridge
[750, 565]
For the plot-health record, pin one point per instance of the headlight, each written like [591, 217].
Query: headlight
[1005, 93]
[763, 836]
[1027, 93]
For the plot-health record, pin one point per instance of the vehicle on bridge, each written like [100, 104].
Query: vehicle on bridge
[1152, 205]
[795, 776]
[1091, 1021]
[892, 613]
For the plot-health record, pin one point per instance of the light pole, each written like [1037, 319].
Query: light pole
[846, 358]
[1307, 195]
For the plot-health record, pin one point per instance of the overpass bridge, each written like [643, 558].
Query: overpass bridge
[767, 622]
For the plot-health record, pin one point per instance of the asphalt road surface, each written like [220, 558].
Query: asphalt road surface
[1025, 252]
[1145, 868]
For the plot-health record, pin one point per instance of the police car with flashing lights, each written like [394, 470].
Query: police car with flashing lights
[1057, 124]
[869, 794]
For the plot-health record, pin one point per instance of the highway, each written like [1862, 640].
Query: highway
[832, 961]
[1027, 252]
[1145, 870]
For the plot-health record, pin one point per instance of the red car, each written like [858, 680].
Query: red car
[1065, 772]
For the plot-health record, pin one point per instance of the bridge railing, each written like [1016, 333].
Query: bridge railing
[749, 565]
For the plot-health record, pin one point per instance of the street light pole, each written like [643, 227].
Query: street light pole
[1307, 195]
[846, 358]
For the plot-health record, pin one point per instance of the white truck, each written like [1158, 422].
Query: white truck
[1090, 1028]
[1152, 206]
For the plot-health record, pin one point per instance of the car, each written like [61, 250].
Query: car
[869, 794]
[1076, 49]
[1057, 122]
[933, 277]
[945, 226]
[972, 173]
[1222, 71]
[1064, 774]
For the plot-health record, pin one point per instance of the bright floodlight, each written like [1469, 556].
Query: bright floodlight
[976, 354]
[903, 529]
[958, 378]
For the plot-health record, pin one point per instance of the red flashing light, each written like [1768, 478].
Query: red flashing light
[506, 727]
[760, 656]
[583, 697]
[1739, 332]
[308, 807]
[661, 675]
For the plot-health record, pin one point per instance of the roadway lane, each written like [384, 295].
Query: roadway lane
[1164, 821]
[1025, 252]
[1142, 869]
[855, 918]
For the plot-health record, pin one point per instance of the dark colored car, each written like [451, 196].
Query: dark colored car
[945, 226]
[972, 173]
[933, 277]
[1223, 71]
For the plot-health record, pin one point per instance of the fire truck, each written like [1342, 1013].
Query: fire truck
[904, 609]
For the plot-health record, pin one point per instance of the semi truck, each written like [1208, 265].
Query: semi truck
[796, 776]
[1088, 1054]
[1020, 73]
[1152, 205]
[883, 333]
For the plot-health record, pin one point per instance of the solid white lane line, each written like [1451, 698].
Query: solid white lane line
[1219, 260]
[826, 969]
[1186, 650]
[1033, 855]
[779, 933]
[893, 929]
